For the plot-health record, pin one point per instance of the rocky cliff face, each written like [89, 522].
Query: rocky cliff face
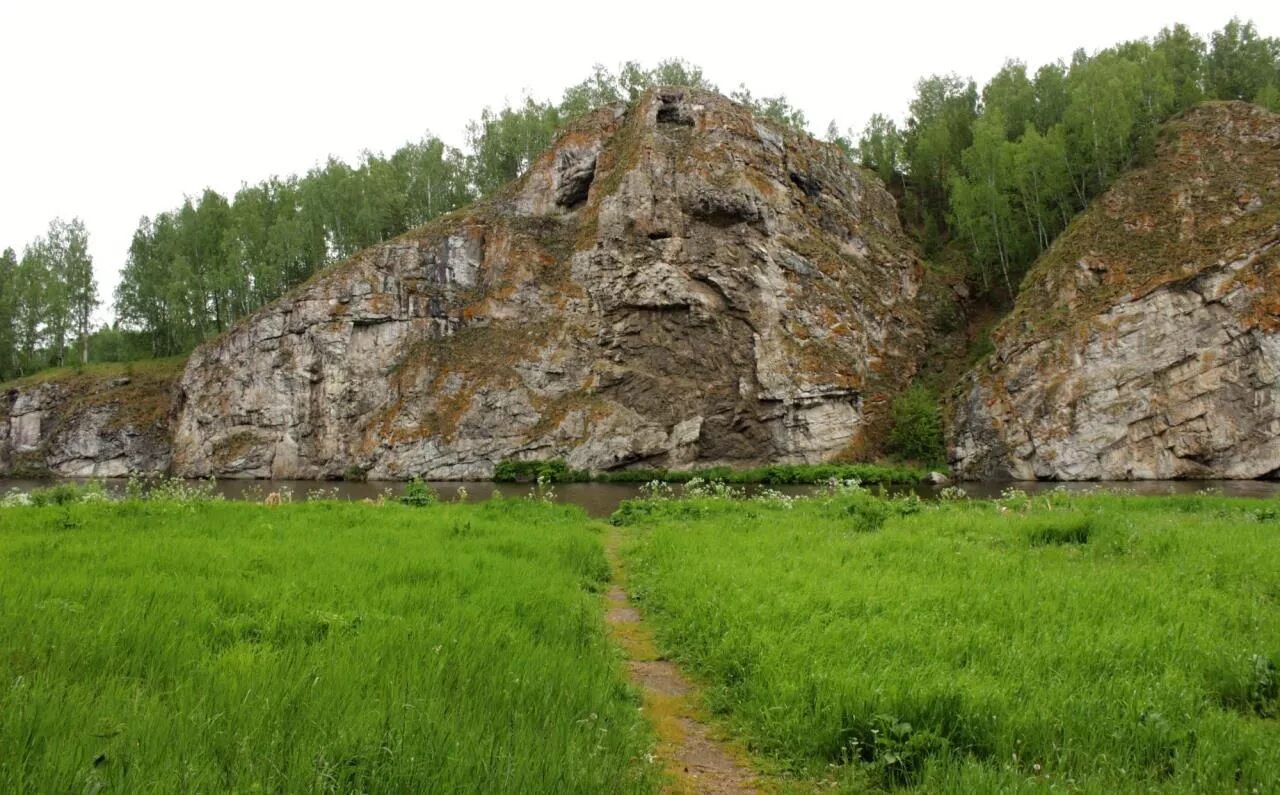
[671, 285]
[1146, 343]
[104, 422]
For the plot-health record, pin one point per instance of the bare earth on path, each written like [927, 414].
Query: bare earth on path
[695, 760]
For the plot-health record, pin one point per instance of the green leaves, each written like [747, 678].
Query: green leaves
[1241, 64]
[46, 299]
[917, 427]
[776, 109]
[939, 129]
[880, 147]
[194, 271]
[1007, 173]
[8, 314]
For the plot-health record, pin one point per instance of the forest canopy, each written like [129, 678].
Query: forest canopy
[1002, 170]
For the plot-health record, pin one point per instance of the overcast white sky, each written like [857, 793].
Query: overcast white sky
[114, 110]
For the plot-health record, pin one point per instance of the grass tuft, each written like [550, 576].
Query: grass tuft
[1058, 529]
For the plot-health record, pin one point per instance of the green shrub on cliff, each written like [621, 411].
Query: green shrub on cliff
[917, 427]
[554, 470]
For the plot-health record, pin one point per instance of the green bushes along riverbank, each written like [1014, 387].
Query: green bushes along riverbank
[557, 471]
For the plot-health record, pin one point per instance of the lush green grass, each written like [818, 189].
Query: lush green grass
[557, 471]
[150, 369]
[1101, 644]
[322, 647]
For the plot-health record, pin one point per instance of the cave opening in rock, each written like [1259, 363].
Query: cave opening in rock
[672, 110]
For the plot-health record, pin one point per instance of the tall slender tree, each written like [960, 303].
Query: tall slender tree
[8, 314]
[80, 288]
[880, 146]
[32, 280]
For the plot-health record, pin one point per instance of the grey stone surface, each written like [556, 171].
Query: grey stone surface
[1173, 385]
[80, 428]
[1176, 374]
[672, 286]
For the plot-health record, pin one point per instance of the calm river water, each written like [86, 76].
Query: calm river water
[601, 499]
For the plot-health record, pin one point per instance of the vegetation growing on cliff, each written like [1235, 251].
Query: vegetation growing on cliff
[138, 395]
[916, 432]
[1004, 169]
[1217, 161]
[998, 179]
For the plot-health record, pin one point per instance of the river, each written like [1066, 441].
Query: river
[602, 499]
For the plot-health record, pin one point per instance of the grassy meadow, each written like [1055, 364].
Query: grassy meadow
[171, 642]
[1084, 643]
[162, 646]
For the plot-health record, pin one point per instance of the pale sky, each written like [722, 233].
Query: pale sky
[114, 110]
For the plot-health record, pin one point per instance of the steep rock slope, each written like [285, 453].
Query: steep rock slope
[106, 421]
[1146, 342]
[674, 284]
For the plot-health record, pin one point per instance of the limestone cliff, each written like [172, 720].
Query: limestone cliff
[1146, 342]
[673, 284]
[104, 421]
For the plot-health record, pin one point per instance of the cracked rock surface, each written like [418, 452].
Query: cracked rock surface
[1146, 343]
[86, 425]
[676, 284]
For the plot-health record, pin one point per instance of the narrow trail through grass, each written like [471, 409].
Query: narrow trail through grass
[1090, 643]
[695, 759]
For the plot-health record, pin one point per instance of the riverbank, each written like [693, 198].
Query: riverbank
[557, 471]
[600, 500]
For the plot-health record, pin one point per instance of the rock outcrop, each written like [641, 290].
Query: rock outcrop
[1146, 342]
[107, 421]
[674, 284]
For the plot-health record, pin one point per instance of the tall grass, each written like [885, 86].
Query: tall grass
[1102, 644]
[320, 647]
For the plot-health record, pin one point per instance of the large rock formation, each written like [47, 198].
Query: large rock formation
[673, 284]
[103, 422]
[1146, 342]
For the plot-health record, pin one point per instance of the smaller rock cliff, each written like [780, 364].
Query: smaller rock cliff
[104, 421]
[1146, 342]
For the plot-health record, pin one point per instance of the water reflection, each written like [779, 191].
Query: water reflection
[602, 499]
